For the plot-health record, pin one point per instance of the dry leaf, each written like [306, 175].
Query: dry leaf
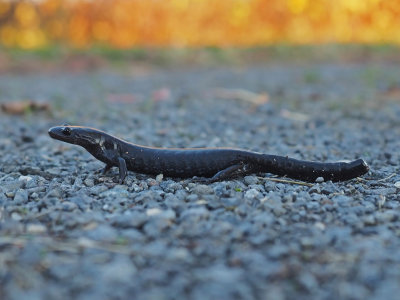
[161, 94]
[22, 107]
[296, 116]
[240, 94]
[392, 92]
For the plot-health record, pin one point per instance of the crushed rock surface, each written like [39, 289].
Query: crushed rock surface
[67, 232]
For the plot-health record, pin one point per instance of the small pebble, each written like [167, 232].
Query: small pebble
[369, 220]
[315, 189]
[251, 180]
[16, 216]
[68, 206]
[25, 178]
[252, 194]
[35, 228]
[89, 182]
[153, 212]
[21, 196]
[159, 177]
[203, 189]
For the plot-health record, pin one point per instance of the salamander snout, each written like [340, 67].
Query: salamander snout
[361, 165]
[52, 132]
[62, 133]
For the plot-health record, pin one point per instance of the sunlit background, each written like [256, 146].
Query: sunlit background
[178, 23]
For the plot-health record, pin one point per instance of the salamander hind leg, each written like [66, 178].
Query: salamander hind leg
[232, 171]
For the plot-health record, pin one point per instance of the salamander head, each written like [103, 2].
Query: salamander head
[78, 135]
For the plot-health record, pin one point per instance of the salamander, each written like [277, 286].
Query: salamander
[211, 164]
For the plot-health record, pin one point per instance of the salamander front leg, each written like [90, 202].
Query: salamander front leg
[123, 171]
[106, 169]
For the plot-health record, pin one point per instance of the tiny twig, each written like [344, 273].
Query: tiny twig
[386, 178]
[286, 181]
[378, 180]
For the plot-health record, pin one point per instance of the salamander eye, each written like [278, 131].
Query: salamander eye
[66, 131]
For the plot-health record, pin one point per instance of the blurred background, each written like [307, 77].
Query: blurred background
[125, 24]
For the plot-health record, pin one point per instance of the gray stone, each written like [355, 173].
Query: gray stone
[369, 220]
[252, 194]
[251, 180]
[308, 281]
[89, 182]
[119, 271]
[98, 189]
[203, 189]
[387, 216]
[131, 220]
[230, 202]
[12, 186]
[21, 196]
[68, 206]
[277, 251]
[55, 192]
[192, 198]
[156, 226]
[342, 200]
[102, 232]
[35, 228]
[315, 189]
[195, 214]
[16, 216]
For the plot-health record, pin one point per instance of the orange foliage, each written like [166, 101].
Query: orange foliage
[128, 23]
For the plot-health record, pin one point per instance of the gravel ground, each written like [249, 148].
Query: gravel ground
[67, 232]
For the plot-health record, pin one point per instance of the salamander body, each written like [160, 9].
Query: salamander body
[215, 164]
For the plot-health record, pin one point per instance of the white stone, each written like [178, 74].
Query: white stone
[153, 211]
[35, 228]
[25, 178]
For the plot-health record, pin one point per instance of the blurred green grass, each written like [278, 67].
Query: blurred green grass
[211, 56]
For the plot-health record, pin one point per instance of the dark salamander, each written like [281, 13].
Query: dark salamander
[213, 163]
